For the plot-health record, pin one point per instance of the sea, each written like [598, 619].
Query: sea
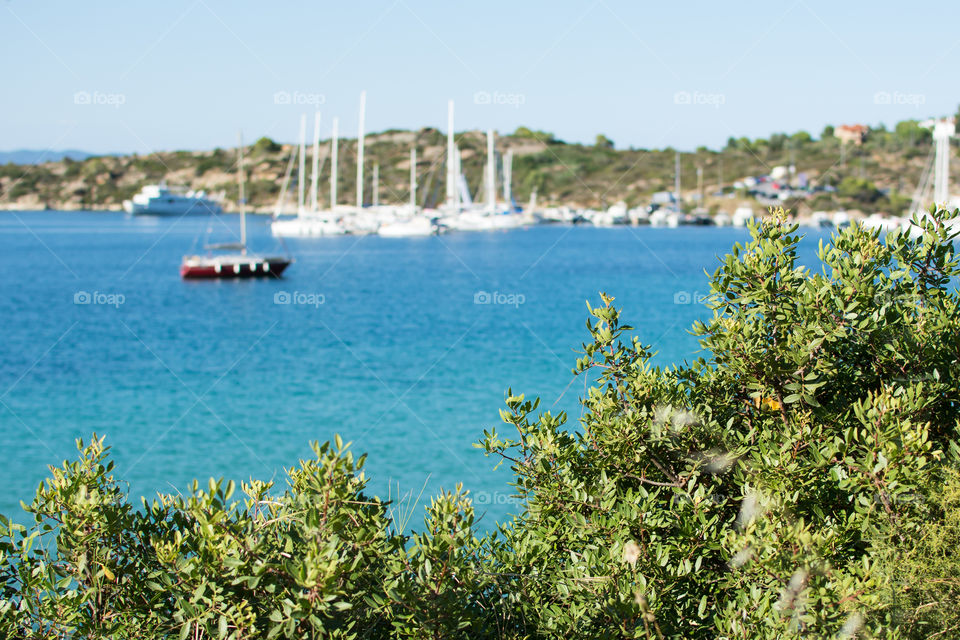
[404, 347]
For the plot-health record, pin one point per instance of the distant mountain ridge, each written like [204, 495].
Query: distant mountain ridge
[33, 156]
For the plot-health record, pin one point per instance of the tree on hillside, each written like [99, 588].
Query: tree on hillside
[860, 190]
[539, 136]
[603, 142]
[910, 132]
[266, 145]
[777, 142]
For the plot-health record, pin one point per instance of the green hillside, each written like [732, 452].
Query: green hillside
[879, 175]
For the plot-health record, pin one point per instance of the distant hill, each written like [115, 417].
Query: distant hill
[30, 156]
[877, 173]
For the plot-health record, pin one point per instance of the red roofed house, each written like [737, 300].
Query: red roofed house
[854, 133]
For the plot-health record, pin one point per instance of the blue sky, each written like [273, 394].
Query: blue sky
[187, 74]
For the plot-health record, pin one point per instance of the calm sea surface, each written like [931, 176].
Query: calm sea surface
[380, 341]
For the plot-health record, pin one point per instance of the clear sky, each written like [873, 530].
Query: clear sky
[187, 74]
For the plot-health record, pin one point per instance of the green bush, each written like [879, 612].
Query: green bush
[208, 163]
[923, 571]
[910, 132]
[320, 559]
[533, 134]
[265, 145]
[738, 496]
[800, 480]
[859, 191]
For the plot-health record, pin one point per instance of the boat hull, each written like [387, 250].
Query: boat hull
[306, 228]
[416, 227]
[253, 268]
[198, 209]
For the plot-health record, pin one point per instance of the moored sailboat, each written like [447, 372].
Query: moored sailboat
[240, 263]
[410, 221]
[460, 212]
[312, 221]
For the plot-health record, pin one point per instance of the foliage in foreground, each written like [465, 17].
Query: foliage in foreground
[799, 481]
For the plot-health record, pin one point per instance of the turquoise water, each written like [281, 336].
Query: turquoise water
[381, 342]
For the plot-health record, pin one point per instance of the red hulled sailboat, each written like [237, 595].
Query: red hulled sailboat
[239, 263]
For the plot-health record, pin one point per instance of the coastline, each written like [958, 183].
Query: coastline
[109, 208]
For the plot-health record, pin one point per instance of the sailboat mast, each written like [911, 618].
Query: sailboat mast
[303, 161]
[676, 177]
[333, 165]
[286, 182]
[413, 178]
[460, 197]
[451, 160]
[508, 178]
[243, 200]
[943, 130]
[491, 174]
[315, 176]
[363, 107]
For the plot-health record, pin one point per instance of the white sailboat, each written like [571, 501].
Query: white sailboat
[461, 214]
[411, 222]
[359, 220]
[313, 222]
